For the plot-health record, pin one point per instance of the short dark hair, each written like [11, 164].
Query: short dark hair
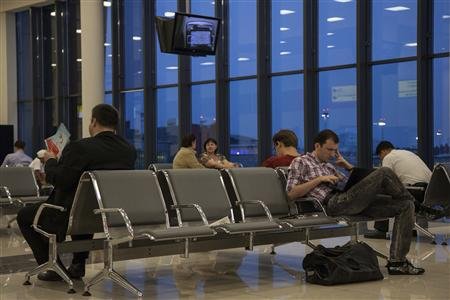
[19, 144]
[188, 140]
[325, 135]
[106, 115]
[383, 145]
[212, 141]
[287, 137]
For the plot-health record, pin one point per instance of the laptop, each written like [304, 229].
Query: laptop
[356, 175]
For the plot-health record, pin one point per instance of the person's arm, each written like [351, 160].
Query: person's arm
[342, 162]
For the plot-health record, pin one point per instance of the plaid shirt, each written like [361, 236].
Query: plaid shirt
[307, 167]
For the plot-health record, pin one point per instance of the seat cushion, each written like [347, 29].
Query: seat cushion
[305, 222]
[251, 227]
[177, 232]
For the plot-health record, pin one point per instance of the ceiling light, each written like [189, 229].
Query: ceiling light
[285, 52]
[106, 3]
[107, 44]
[335, 19]
[284, 28]
[286, 12]
[53, 14]
[330, 46]
[446, 17]
[53, 65]
[283, 42]
[207, 63]
[136, 38]
[330, 33]
[79, 60]
[411, 44]
[172, 68]
[397, 8]
[342, 1]
[109, 55]
[243, 59]
[169, 14]
[78, 31]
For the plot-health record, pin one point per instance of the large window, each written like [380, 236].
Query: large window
[337, 108]
[134, 124]
[441, 110]
[166, 64]
[243, 122]
[394, 29]
[395, 105]
[204, 113]
[287, 105]
[108, 47]
[287, 35]
[441, 26]
[133, 59]
[337, 33]
[242, 44]
[167, 121]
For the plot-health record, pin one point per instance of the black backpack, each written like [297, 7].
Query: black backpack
[353, 262]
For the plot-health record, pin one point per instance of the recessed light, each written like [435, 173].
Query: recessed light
[446, 17]
[53, 14]
[285, 52]
[330, 33]
[397, 8]
[107, 44]
[283, 42]
[330, 46]
[53, 65]
[286, 12]
[79, 60]
[78, 31]
[335, 19]
[411, 44]
[207, 63]
[169, 14]
[172, 68]
[243, 59]
[284, 28]
[342, 1]
[136, 38]
[106, 3]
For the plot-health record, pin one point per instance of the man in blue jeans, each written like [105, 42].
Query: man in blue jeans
[313, 175]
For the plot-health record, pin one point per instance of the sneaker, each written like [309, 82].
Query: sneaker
[403, 268]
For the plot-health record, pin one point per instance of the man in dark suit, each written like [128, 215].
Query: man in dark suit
[104, 150]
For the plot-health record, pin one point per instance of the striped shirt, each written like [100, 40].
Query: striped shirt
[307, 167]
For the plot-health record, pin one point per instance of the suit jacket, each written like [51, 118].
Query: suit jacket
[104, 151]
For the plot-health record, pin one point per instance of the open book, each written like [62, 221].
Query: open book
[58, 141]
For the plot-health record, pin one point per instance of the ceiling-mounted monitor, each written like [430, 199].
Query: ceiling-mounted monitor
[188, 34]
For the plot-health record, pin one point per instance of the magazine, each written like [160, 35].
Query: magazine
[58, 141]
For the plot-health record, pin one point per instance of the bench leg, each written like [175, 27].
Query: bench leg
[425, 232]
[308, 241]
[51, 264]
[108, 272]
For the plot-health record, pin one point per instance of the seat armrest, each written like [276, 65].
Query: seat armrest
[310, 199]
[256, 202]
[196, 207]
[125, 218]
[38, 216]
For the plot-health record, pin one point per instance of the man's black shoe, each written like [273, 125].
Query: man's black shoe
[375, 234]
[76, 271]
[403, 268]
[49, 276]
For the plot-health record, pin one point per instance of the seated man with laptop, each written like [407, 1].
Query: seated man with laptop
[312, 175]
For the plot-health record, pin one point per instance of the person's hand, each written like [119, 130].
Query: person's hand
[329, 179]
[48, 155]
[341, 162]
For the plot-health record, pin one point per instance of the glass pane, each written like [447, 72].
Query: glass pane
[337, 33]
[166, 64]
[441, 26]
[203, 68]
[134, 124]
[243, 123]
[48, 110]
[25, 125]
[108, 99]
[24, 63]
[242, 38]
[394, 106]
[287, 35]
[394, 29]
[287, 106]
[167, 119]
[204, 113]
[337, 109]
[133, 60]
[108, 47]
[441, 110]
[49, 50]
[74, 47]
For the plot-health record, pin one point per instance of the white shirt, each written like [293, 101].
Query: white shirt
[37, 165]
[407, 166]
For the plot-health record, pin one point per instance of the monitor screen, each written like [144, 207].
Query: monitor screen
[195, 35]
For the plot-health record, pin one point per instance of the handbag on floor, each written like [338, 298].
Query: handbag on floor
[353, 262]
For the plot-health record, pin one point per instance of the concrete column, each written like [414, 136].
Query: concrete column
[8, 70]
[92, 55]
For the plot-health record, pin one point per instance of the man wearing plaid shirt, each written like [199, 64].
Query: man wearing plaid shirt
[312, 175]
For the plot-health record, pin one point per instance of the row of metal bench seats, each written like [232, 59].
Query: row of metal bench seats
[170, 212]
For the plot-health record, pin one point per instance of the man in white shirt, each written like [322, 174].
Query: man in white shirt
[410, 169]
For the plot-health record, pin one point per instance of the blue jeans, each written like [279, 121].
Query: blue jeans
[361, 199]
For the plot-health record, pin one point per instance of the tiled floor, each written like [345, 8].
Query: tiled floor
[231, 274]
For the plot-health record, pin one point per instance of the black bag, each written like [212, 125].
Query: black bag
[342, 264]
